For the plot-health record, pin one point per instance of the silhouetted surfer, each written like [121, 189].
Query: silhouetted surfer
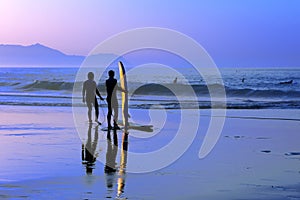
[89, 92]
[112, 101]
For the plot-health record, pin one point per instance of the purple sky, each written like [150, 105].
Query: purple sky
[242, 33]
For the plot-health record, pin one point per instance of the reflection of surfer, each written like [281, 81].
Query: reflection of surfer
[111, 154]
[89, 151]
[89, 92]
[112, 101]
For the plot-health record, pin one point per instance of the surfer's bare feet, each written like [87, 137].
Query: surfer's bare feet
[96, 120]
[90, 121]
[116, 127]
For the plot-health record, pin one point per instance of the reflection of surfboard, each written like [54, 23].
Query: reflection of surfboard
[123, 83]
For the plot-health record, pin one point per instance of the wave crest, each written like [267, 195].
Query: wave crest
[49, 85]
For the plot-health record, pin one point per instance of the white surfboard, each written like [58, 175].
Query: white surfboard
[123, 84]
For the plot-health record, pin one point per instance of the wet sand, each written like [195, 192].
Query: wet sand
[256, 157]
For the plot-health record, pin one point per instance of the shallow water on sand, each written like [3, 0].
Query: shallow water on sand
[41, 156]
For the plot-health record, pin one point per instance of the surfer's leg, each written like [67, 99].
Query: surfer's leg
[96, 105]
[109, 113]
[89, 105]
[116, 114]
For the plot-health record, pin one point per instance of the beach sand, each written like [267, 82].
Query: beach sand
[256, 157]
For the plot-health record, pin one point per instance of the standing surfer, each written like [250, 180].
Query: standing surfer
[112, 101]
[89, 92]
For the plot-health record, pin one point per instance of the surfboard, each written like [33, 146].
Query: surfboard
[123, 84]
[144, 128]
[106, 129]
[138, 127]
[126, 125]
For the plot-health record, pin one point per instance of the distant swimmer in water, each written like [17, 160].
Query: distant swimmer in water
[286, 82]
[243, 80]
[175, 80]
[89, 92]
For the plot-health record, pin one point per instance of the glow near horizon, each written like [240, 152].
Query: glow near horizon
[240, 29]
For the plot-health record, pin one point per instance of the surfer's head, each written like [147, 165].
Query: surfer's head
[91, 76]
[111, 73]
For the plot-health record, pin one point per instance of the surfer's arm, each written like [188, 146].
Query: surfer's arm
[99, 95]
[83, 93]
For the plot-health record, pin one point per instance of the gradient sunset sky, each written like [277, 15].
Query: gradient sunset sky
[254, 32]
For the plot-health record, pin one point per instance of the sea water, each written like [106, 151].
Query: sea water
[251, 88]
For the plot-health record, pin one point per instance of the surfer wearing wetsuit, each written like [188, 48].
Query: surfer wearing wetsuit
[112, 101]
[89, 92]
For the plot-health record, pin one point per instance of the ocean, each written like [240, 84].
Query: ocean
[246, 88]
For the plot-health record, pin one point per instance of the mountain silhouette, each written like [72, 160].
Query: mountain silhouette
[36, 54]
